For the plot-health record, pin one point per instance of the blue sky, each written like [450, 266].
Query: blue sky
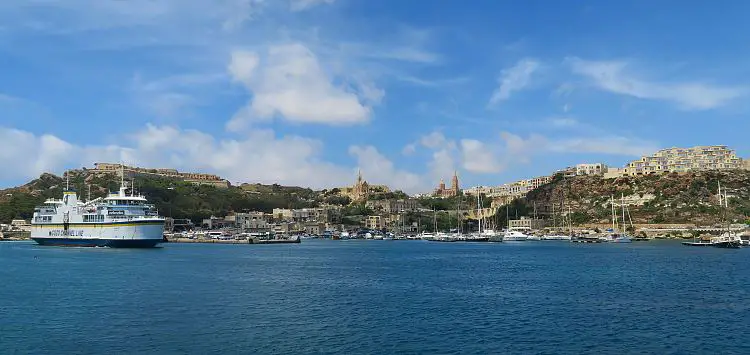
[306, 92]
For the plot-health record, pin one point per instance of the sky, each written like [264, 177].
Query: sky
[308, 92]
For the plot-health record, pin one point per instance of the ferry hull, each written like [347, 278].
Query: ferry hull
[132, 234]
[111, 243]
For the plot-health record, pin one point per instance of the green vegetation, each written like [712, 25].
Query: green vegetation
[172, 198]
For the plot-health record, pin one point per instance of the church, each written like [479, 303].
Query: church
[361, 189]
[442, 191]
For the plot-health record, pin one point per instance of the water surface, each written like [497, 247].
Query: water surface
[366, 297]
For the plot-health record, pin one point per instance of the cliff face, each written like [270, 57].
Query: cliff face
[666, 198]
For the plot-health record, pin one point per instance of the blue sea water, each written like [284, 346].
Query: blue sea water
[371, 297]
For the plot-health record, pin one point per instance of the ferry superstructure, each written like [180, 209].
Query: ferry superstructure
[118, 221]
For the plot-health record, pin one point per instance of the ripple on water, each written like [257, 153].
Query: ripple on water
[375, 297]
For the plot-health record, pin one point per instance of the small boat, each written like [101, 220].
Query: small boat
[533, 237]
[621, 239]
[515, 236]
[725, 240]
[476, 237]
[700, 243]
[556, 237]
[716, 242]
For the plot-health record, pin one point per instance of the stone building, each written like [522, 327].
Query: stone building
[454, 190]
[130, 172]
[527, 224]
[361, 189]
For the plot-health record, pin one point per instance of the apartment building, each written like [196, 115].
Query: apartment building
[514, 190]
[591, 169]
[375, 222]
[252, 221]
[717, 157]
[302, 215]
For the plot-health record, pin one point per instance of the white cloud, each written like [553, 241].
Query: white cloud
[477, 157]
[256, 156]
[615, 145]
[611, 76]
[433, 140]
[290, 83]
[498, 155]
[514, 79]
[442, 165]
[259, 156]
[409, 149]
[378, 169]
[519, 149]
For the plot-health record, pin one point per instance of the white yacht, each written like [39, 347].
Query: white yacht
[514, 236]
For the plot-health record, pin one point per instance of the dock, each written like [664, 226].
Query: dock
[586, 240]
[235, 241]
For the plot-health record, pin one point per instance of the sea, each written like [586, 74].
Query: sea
[375, 297]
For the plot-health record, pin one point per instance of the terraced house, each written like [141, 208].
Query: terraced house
[717, 157]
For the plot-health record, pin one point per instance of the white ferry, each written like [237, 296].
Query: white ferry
[118, 221]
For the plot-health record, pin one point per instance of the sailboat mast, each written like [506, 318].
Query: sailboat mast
[622, 201]
[434, 216]
[479, 212]
[612, 202]
[554, 220]
[507, 215]
[570, 221]
[458, 216]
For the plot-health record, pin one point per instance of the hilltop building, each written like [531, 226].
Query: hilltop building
[505, 193]
[454, 190]
[361, 189]
[716, 157]
[130, 172]
[591, 169]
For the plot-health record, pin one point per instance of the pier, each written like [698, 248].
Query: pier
[235, 241]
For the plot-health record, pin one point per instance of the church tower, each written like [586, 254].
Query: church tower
[454, 183]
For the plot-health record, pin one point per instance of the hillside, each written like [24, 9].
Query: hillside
[667, 198]
[173, 198]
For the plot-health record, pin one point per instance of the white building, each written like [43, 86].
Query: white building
[591, 169]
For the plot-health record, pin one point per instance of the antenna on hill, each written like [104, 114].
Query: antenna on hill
[67, 181]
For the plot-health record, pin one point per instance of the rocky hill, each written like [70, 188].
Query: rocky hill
[665, 198]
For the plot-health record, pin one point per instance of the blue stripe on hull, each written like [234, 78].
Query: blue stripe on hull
[112, 243]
